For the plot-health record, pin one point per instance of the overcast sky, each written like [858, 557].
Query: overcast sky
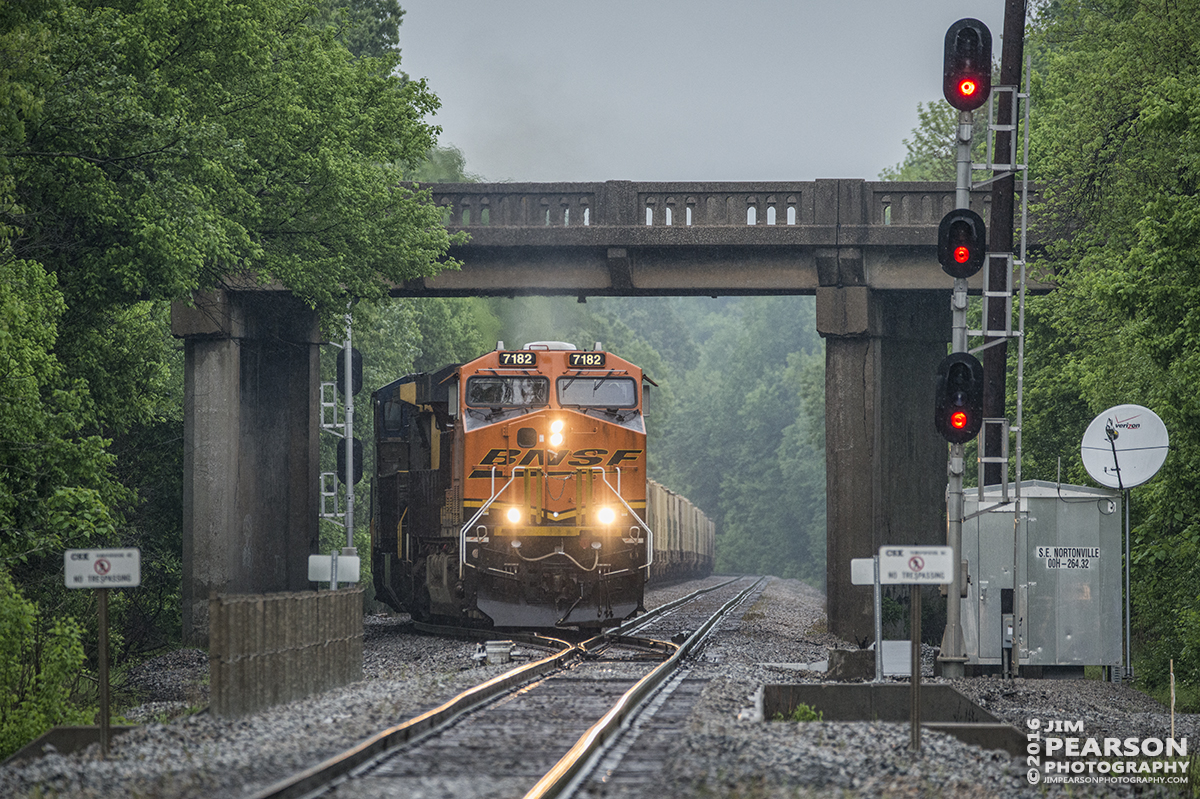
[534, 90]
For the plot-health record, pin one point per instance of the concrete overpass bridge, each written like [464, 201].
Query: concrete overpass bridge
[866, 250]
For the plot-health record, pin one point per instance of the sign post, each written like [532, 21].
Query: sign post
[916, 566]
[102, 569]
[865, 571]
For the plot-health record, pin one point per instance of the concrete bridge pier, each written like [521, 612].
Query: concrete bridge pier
[885, 465]
[251, 399]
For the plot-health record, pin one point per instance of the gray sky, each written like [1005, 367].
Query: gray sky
[534, 90]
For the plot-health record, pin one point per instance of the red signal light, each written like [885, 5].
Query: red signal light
[958, 398]
[962, 243]
[967, 64]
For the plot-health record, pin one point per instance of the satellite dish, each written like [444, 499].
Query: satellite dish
[1124, 446]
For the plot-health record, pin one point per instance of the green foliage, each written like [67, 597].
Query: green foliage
[1116, 144]
[368, 28]
[148, 150]
[893, 611]
[38, 666]
[1115, 147]
[932, 151]
[56, 485]
[802, 712]
[161, 148]
[444, 165]
[745, 439]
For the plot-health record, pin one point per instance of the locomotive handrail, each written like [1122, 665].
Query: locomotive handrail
[462, 534]
[632, 512]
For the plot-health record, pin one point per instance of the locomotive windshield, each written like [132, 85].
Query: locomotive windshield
[507, 392]
[597, 392]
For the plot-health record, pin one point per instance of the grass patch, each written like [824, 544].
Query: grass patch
[757, 610]
[1187, 697]
[802, 712]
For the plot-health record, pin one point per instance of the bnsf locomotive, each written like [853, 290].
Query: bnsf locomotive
[511, 491]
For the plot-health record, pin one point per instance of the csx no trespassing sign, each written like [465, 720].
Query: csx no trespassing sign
[916, 565]
[102, 568]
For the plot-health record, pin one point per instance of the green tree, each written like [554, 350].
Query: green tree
[445, 164]
[745, 440]
[368, 28]
[1117, 148]
[933, 148]
[39, 664]
[931, 151]
[163, 149]
[148, 150]
[56, 483]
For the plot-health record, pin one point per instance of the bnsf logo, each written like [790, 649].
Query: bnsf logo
[579, 457]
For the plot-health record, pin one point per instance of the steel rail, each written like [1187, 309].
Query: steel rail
[635, 624]
[319, 778]
[561, 778]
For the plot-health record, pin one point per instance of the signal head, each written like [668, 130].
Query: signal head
[962, 242]
[967, 64]
[958, 398]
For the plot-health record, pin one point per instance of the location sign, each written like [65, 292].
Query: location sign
[916, 565]
[102, 568]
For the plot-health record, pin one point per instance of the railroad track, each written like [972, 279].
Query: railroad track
[537, 730]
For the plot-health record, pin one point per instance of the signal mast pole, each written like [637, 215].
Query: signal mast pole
[953, 648]
[962, 244]
[348, 366]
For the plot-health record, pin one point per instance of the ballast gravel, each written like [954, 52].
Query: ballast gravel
[724, 750]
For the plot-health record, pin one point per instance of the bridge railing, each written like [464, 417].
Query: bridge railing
[698, 204]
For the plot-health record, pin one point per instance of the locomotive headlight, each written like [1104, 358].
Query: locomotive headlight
[556, 426]
[556, 439]
[514, 515]
[556, 436]
[606, 515]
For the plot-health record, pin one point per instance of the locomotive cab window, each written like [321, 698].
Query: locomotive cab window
[597, 392]
[510, 392]
[397, 416]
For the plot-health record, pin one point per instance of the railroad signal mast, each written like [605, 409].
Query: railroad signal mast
[349, 449]
[960, 406]
[962, 237]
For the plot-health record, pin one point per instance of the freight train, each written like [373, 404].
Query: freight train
[511, 491]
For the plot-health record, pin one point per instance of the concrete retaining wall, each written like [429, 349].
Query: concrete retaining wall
[267, 649]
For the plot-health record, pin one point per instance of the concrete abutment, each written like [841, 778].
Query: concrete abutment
[251, 385]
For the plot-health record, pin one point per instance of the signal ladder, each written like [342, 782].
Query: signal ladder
[1008, 263]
